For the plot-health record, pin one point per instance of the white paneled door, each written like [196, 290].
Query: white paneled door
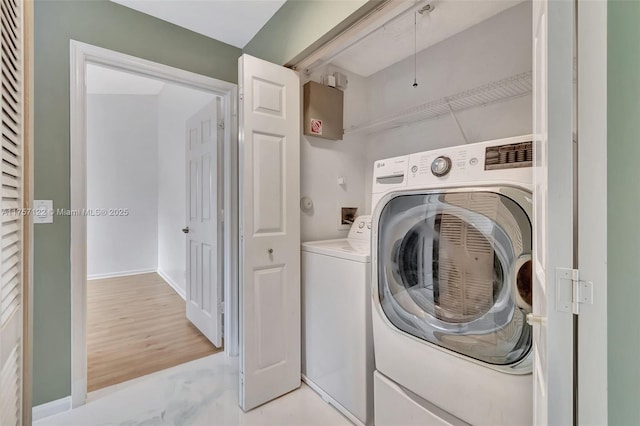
[204, 227]
[552, 318]
[11, 221]
[269, 160]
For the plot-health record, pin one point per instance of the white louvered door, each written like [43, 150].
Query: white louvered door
[11, 220]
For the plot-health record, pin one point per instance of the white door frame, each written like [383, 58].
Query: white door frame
[81, 55]
[592, 209]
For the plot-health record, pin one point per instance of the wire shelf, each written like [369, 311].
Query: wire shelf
[487, 94]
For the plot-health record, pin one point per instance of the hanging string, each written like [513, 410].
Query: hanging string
[415, 49]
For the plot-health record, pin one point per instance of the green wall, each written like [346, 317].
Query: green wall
[623, 148]
[105, 24]
[300, 26]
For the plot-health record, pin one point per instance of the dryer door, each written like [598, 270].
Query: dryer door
[454, 269]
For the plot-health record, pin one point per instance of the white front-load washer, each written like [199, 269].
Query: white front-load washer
[337, 340]
[451, 285]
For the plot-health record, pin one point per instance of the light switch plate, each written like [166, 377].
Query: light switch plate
[42, 211]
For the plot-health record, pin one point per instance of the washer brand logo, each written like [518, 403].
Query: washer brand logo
[378, 165]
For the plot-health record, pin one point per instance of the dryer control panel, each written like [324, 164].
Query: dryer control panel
[504, 161]
[468, 163]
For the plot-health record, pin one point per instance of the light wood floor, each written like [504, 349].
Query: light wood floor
[137, 325]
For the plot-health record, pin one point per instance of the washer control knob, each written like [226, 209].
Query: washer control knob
[414, 169]
[441, 166]
[361, 225]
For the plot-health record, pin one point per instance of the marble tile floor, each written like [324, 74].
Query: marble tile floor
[200, 393]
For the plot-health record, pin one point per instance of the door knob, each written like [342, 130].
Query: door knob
[185, 230]
[270, 251]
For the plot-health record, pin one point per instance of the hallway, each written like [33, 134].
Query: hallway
[137, 325]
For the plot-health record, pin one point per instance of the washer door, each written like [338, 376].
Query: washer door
[454, 269]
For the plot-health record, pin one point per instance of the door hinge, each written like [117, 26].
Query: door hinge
[221, 307]
[571, 291]
[221, 125]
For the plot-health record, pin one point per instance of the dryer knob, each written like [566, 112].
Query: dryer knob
[441, 166]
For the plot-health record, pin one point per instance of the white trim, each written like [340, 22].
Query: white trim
[230, 217]
[182, 293]
[592, 209]
[51, 408]
[80, 55]
[384, 13]
[27, 377]
[121, 274]
[78, 172]
[331, 401]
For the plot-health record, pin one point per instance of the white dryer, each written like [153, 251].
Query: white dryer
[337, 340]
[451, 284]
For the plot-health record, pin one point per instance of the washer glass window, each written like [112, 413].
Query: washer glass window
[454, 269]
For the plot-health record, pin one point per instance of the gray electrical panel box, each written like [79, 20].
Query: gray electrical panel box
[322, 111]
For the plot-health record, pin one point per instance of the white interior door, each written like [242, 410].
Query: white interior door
[269, 160]
[203, 231]
[553, 338]
[11, 223]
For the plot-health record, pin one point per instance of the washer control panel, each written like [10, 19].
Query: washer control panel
[361, 228]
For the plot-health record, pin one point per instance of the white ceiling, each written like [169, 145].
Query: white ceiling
[107, 81]
[234, 22]
[394, 41]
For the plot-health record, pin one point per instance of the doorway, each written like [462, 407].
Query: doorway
[137, 321]
[109, 249]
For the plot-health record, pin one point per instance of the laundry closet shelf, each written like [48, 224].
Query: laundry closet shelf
[497, 91]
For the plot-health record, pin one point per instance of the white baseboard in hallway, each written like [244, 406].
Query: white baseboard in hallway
[121, 274]
[173, 285]
[51, 408]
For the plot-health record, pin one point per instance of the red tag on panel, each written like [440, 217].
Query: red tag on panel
[316, 126]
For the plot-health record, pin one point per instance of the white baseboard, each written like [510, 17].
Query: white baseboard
[173, 285]
[50, 408]
[120, 274]
[331, 401]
